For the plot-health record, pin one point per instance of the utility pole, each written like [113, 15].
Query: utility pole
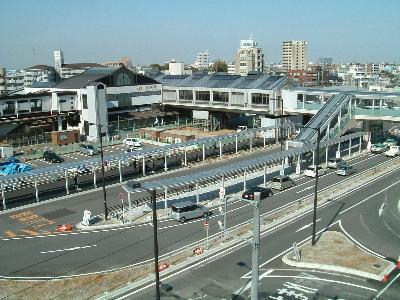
[256, 246]
[316, 186]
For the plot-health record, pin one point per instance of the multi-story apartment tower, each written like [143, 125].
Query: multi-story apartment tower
[3, 86]
[202, 60]
[249, 57]
[294, 55]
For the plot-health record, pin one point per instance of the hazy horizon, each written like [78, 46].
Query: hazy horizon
[158, 31]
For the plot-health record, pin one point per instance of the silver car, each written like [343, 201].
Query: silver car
[345, 170]
[187, 210]
[88, 149]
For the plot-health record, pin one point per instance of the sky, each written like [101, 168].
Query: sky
[156, 31]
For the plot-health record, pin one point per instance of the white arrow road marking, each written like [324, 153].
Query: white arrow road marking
[380, 211]
[68, 249]
[308, 188]
[306, 226]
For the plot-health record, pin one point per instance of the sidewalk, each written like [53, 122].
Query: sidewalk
[334, 252]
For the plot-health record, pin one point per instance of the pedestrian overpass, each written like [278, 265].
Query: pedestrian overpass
[332, 120]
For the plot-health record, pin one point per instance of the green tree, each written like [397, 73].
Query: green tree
[219, 66]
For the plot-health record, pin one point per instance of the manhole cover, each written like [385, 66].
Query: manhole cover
[376, 266]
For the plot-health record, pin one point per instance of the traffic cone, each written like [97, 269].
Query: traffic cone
[385, 278]
[398, 263]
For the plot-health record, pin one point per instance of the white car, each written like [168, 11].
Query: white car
[132, 142]
[132, 149]
[393, 151]
[241, 128]
[311, 172]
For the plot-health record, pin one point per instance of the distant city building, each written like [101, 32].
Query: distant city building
[232, 68]
[294, 55]
[249, 57]
[39, 73]
[177, 68]
[3, 86]
[325, 60]
[124, 61]
[69, 70]
[14, 80]
[203, 60]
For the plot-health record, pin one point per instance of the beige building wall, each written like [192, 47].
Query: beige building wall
[294, 55]
[248, 58]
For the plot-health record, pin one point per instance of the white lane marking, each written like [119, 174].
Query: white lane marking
[307, 188]
[68, 249]
[358, 243]
[386, 287]
[326, 280]
[366, 199]
[306, 226]
[380, 211]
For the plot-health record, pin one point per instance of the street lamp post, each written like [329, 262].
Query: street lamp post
[281, 129]
[102, 170]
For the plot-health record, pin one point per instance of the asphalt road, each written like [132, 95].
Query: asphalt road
[83, 252]
[221, 276]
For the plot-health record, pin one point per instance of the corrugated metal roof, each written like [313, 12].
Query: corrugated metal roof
[256, 81]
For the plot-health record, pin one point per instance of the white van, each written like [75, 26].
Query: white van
[187, 210]
[393, 151]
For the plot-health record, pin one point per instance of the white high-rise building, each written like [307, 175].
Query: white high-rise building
[249, 57]
[58, 60]
[294, 55]
[203, 60]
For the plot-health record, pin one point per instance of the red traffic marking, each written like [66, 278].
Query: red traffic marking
[121, 195]
[385, 278]
[198, 251]
[64, 227]
[398, 263]
[205, 224]
[163, 266]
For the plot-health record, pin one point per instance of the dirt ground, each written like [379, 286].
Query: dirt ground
[333, 248]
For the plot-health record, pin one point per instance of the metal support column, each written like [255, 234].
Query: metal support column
[255, 260]
[265, 174]
[66, 182]
[236, 144]
[165, 161]
[130, 204]
[251, 143]
[165, 197]
[264, 139]
[197, 192]
[204, 152]
[313, 158]
[144, 165]
[36, 190]
[245, 178]
[326, 156]
[120, 171]
[3, 195]
[220, 149]
[185, 157]
[359, 145]
[94, 177]
[349, 147]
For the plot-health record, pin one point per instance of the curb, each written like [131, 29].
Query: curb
[345, 270]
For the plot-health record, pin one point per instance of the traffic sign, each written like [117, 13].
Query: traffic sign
[221, 193]
[121, 195]
[205, 224]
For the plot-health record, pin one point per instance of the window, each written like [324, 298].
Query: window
[221, 96]
[123, 79]
[258, 98]
[203, 95]
[186, 94]
[84, 101]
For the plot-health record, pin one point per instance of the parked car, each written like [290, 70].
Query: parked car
[88, 149]
[311, 171]
[83, 169]
[378, 148]
[345, 170]
[390, 142]
[333, 163]
[241, 128]
[133, 149]
[393, 151]
[187, 210]
[281, 182]
[264, 192]
[132, 142]
[52, 157]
